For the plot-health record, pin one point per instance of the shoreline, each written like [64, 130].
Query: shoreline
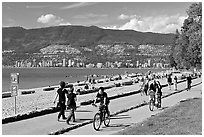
[73, 79]
[44, 99]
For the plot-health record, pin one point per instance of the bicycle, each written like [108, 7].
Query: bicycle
[153, 98]
[158, 99]
[100, 116]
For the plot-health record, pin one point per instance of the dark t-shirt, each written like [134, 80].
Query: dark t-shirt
[189, 79]
[169, 79]
[61, 92]
[102, 96]
[152, 87]
[71, 99]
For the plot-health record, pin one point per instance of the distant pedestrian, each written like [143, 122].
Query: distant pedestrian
[189, 81]
[175, 83]
[71, 104]
[61, 93]
[169, 81]
[146, 86]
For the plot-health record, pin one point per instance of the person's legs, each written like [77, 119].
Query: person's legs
[73, 114]
[62, 109]
[175, 86]
[169, 85]
[70, 115]
[107, 110]
[189, 85]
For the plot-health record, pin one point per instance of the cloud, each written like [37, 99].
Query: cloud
[111, 27]
[64, 24]
[8, 22]
[158, 24]
[124, 17]
[77, 5]
[36, 7]
[51, 20]
[90, 15]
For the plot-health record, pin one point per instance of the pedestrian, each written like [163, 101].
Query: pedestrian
[146, 86]
[169, 81]
[189, 81]
[175, 83]
[71, 103]
[61, 93]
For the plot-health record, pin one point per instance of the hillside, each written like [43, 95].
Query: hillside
[83, 44]
[32, 40]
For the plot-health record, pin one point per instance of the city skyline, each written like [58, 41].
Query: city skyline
[159, 17]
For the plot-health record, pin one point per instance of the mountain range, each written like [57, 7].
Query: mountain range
[32, 40]
[85, 44]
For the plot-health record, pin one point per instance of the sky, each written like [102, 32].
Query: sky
[158, 17]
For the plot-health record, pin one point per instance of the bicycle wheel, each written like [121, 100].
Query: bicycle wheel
[106, 119]
[97, 121]
[151, 105]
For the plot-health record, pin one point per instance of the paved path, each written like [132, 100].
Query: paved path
[122, 121]
[48, 123]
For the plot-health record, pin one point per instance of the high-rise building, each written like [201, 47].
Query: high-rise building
[99, 65]
[137, 64]
[51, 64]
[64, 62]
[149, 61]
[69, 63]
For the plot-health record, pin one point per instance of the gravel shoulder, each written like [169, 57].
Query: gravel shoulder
[183, 119]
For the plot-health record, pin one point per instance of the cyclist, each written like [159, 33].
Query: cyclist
[156, 87]
[103, 99]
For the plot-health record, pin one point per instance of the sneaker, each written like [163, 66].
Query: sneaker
[64, 118]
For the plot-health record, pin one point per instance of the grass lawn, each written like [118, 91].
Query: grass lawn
[182, 119]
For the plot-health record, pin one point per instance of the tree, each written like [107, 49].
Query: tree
[171, 56]
[188, 49]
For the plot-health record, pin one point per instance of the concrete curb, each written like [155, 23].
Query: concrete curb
[29, 115]
[61, 131]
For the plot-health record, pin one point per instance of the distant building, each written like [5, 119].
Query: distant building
[69, 63]
[99, 65]
[137, 64]
[159, 65]
[149, 61]
[90, 66]
[64, 62]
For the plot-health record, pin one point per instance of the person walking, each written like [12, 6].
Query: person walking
[175, 83]
[189, 81]
[61, 93]
[169, 81]
[146, 86]
[71, 104]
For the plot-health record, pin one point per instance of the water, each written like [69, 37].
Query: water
[40, 77]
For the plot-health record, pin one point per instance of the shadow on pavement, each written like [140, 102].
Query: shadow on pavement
[115, 127]
[79, 111]
[123, 117]
[120, 115]
[82, 119]
[83, 111]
